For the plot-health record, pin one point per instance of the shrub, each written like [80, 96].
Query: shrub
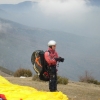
[94, 82]
[23, 72]
[88, 78]
[62, 80]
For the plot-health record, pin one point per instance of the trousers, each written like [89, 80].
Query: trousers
[53, 78]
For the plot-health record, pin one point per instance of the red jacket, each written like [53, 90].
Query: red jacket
[50, 55]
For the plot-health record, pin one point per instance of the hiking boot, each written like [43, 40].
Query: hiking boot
[54, 91]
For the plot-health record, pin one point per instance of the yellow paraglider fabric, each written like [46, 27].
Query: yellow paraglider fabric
[17, 92]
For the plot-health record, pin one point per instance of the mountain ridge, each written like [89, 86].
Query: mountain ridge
[21, 6]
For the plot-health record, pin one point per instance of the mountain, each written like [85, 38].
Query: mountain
[17, 7]
[17, 43]
[25, 13]
[5, 72]
[3, 13]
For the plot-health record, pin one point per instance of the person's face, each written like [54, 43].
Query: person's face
[53, 47]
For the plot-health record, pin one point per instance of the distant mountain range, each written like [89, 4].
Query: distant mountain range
[24, 12]
[17, 7]
[17, 43]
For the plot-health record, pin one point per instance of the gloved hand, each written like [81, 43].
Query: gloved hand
[57, 59]
[60, 59]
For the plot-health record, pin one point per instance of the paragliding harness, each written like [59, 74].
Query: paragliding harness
[40, 65]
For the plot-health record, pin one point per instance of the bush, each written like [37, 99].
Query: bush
[62, 80]
[88, 78]
[23, 72]
[94, 82]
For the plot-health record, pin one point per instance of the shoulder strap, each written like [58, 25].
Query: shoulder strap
[48, 51]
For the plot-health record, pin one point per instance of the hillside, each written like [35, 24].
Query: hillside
[5, 72]
[21, 12]
[17, 43]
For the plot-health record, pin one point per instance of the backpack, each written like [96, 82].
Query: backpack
[40, 65]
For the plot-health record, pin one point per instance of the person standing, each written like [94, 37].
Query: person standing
[50, 56]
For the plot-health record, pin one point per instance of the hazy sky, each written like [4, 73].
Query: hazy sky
[73, 16]
[13, 1]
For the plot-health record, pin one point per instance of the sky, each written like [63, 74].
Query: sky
[12, 1]
[73, 16]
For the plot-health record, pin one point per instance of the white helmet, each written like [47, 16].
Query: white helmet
[51, 42]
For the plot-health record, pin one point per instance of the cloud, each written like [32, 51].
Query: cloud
[75, 16]
[62, 7]
[13, 1]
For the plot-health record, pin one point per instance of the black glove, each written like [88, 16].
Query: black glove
[59, 59]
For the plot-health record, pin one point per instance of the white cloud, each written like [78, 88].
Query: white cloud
[74, 16]
[10, 1]
[56, 6]
[13, 1]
